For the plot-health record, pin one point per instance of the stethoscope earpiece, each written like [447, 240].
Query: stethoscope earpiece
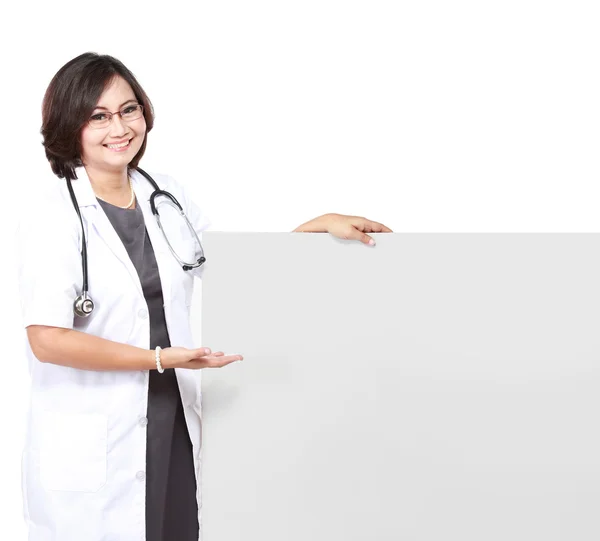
[198, 263]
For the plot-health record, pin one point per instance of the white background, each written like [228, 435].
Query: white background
[426, 116]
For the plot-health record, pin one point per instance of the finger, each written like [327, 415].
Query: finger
[373, 227]
[220, 357]
[204, 356]
[369, 226]
[376, 227]
[220, 362]
[213, 361]
[356, 234]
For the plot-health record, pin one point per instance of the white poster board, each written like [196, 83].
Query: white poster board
[435, 387]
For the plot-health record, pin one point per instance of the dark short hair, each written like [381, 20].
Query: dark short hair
[69, 102]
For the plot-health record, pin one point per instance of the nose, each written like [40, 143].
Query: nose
[117, 126]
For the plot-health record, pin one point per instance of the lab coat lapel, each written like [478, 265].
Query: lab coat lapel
[97, 219]
[143, 190]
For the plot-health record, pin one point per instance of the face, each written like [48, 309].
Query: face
[102, 148]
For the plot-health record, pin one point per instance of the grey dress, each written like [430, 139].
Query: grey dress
[171, 508]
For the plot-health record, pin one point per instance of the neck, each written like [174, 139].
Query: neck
[111, 186]
[108, 182]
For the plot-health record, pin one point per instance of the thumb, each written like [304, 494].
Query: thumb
[356, 234]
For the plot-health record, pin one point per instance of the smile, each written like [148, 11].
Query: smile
[120, 147]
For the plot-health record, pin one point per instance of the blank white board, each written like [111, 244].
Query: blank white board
[435, 387]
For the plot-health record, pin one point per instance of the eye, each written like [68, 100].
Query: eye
[129, 109]
[98, 117]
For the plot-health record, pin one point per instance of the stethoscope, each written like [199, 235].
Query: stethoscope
[84, 305]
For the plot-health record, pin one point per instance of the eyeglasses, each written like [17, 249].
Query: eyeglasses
[127, 114]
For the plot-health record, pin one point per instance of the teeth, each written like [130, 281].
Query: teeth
[119, 146]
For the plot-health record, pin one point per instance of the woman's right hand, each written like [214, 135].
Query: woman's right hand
[177, 357]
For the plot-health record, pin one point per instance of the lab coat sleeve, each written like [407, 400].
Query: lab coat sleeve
[199, 221]
[49, 263]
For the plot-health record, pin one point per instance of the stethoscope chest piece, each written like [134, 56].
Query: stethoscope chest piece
[83, 305]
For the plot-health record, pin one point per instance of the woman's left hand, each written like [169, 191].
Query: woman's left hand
[344, 227]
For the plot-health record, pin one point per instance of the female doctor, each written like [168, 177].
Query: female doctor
[106, 271]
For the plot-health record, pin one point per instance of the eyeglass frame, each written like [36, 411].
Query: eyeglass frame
[110, 116]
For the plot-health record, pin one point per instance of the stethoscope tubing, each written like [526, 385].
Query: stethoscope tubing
[83, 305]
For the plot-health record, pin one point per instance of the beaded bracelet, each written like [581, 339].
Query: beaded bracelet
[157, 356]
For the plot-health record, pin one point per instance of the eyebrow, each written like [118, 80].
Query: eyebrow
[124, 103]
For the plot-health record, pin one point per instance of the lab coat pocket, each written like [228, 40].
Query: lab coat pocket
[73, 451]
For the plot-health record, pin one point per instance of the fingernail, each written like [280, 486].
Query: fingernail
[372, 242]
[206, 350]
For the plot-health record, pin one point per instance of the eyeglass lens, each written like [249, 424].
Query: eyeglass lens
[127, 114]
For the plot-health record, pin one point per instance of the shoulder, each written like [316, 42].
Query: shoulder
[163, 180]
[51, 204]
[48, 227]
[48, 224]
[182, 193]
[169, 184]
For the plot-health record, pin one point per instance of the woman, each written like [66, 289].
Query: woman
[113, 440]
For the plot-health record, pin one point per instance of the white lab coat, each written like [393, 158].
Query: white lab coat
[85, 452]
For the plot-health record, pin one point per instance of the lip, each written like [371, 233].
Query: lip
[128, 141]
